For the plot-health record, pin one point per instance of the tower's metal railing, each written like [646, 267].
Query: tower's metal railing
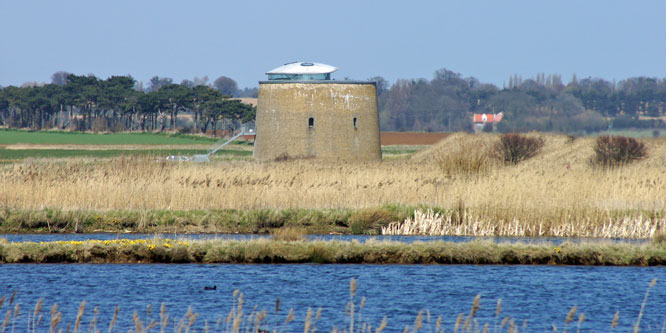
[245, 129]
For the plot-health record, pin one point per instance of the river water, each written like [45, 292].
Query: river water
[540, 295]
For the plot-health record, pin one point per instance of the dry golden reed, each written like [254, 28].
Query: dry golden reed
[434, 224]
[6, 321]
[640, 314]
[79, 316]
[288, 234]
[557, 189]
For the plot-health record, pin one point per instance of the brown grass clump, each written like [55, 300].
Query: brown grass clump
[369, 221]
[613, 151]
[470, 159]
[513, 148]
[288, 234]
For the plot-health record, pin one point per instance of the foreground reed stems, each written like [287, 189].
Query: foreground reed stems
[255, 321]
[55, 318]
[17, 309]
[114, 319]
[352, 292]
[35, 314]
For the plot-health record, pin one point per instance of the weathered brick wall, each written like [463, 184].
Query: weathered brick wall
[284, 111]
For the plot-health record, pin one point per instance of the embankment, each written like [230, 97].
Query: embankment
[331, 252]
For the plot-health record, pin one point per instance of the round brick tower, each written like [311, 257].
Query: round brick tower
[301, 113]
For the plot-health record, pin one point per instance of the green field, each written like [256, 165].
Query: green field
[396, 152]
[76, 138]
[19, 154]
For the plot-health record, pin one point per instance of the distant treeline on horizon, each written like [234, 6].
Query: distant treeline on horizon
[445, 103]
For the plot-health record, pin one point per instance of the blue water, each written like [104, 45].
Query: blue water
[360, 238]
[540, 295]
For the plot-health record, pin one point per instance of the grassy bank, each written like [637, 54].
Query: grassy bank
[386, 220]
[556, 190]
[313, 221]
[331, 252]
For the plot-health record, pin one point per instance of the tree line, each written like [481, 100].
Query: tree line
[545, 103]
[445, 103]
[118, 103]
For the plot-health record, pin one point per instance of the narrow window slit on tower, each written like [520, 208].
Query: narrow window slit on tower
[311, 122]
[355, 123]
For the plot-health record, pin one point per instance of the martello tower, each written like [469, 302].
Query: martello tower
[301, 112]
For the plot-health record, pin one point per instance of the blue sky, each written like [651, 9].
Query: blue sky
[490, 40]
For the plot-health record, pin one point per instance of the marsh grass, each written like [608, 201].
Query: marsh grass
[470, 159]
[459, 223]
[370, 221]
[288, 234]
[557, 187]
[164, 250]
[312, 221]
[242, 319]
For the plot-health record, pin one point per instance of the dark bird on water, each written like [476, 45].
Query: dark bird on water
[210, 288]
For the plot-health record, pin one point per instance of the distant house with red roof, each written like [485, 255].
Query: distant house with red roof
[481, 119]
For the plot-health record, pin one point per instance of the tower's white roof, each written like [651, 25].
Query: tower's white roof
[303, 68]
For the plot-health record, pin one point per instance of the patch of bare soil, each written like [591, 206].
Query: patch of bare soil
[410, 138]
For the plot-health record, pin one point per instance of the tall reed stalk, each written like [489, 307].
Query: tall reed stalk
[640, 313]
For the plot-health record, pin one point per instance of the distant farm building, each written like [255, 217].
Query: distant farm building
[302, 113]
[483, 119]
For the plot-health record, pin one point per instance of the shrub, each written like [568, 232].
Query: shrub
[513, 148]
[612, 151]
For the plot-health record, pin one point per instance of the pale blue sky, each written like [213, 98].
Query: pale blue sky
[490, 40]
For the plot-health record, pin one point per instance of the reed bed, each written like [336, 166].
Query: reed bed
[451, 224]
[557, 188]
[241, 319]
[273, 251]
